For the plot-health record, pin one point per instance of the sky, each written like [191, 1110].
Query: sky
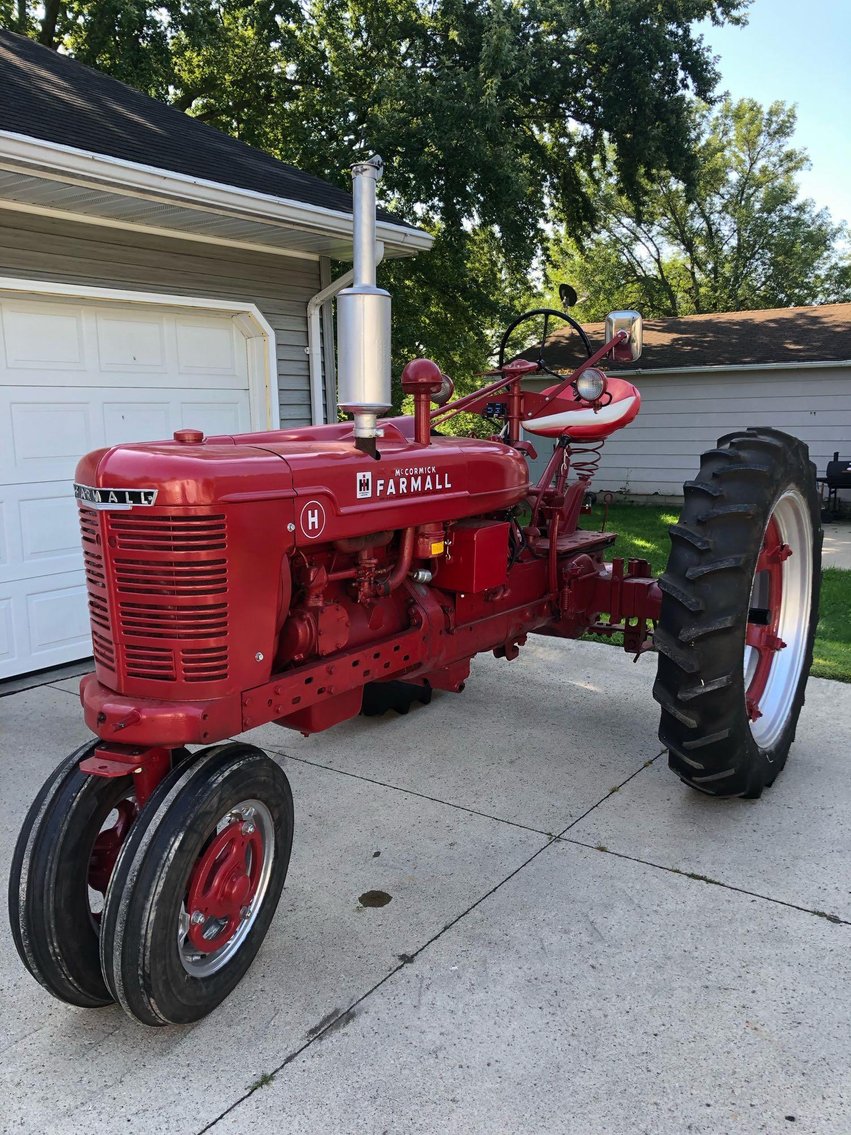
[798, 51]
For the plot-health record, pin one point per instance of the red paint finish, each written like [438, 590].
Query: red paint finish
[421, 378]
[549, 414]
[278, 573]
[223, 884]
[476, 557]
[108, 844]
[763, 636]
[146, 765]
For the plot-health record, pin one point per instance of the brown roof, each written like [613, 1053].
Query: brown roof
[728, 338]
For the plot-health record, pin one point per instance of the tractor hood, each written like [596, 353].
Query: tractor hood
[334, 490]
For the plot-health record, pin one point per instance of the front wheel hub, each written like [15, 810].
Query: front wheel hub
[226, 888]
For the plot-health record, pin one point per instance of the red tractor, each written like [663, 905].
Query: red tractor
[302, 576]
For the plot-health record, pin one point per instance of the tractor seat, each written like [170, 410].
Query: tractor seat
[565, 416]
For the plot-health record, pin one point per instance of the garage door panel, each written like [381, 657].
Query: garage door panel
[8, 652]
[137, 421]
[4, 533]
[224, 417]
[132, 345]
[207, 346]
[50, 530]
[41, 531]
[41, 627]
[136, 418]
[48, 436]
[39, 335]
[58, 617]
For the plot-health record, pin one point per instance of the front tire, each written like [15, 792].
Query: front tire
[196, 885]
[62, 861]
[739, 613]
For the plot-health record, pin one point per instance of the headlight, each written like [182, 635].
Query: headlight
[591, 385]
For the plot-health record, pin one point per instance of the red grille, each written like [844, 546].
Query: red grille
[149, 662]
[136, 531]
[102, 644]
[164, 617]
[146, 621]
[170, 579]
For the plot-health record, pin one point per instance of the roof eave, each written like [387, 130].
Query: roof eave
[102, 170]
[716, 368]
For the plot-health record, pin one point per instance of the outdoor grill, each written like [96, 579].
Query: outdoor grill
[837, 476]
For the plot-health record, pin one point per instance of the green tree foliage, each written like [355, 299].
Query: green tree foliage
[739, 238]
[489, 114]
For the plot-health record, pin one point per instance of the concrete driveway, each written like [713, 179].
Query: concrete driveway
[576, 943]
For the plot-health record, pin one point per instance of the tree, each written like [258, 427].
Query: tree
[489, 113]
[739, 238]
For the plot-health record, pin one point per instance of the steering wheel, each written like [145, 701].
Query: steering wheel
[547, 312]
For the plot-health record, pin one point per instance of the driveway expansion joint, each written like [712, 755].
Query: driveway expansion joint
[696, 877]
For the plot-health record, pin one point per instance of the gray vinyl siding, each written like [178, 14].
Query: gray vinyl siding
[683, 415]
[41, 248]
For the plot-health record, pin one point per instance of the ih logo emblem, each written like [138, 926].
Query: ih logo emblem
[364, 486]
[312, 519]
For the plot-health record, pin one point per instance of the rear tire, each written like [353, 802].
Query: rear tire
[739, 613]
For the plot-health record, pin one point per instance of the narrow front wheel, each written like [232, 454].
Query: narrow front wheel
[61, 866]
[196, 885]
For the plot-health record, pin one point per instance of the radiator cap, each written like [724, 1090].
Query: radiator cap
[189, 437]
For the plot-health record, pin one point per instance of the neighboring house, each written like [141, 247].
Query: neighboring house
[702, 376]
[154, 273]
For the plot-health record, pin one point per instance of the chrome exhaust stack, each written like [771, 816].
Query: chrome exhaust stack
[363, 320]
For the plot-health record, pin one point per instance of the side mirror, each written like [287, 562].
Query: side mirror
[629, 321]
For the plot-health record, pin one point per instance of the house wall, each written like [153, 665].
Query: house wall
[683, 415]
[41, 248]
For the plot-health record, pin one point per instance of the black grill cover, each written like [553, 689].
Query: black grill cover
[838, 474]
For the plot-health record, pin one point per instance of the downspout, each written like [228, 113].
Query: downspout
[314, 336]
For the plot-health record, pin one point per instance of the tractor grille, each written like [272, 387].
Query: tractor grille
[168, 605]
[102, 644]
[138, 532]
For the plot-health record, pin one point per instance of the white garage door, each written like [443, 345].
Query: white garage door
[74, 377]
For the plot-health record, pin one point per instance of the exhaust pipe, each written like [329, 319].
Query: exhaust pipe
[363, 320]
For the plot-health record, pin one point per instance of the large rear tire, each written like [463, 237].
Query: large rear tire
[739, 612]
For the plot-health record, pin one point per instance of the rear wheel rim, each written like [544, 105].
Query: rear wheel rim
[226, 888]
[779, 619]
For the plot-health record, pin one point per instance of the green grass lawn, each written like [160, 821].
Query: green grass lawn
[644, 532]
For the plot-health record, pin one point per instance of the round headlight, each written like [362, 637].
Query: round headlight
[591, 385]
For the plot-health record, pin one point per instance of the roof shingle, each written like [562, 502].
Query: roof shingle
[52, 97]
[729, 338]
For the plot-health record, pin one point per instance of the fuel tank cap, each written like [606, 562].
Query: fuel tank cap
[189, 437]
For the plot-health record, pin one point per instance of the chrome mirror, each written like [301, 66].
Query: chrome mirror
[629, 321]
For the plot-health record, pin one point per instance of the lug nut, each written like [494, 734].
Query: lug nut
[245, 912]
[247, 828]
[197, 918]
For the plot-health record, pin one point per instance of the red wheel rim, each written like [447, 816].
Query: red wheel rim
[107, 846]
[764, 620]
[223, 885]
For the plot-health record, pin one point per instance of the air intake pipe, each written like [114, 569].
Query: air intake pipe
[363, 320]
